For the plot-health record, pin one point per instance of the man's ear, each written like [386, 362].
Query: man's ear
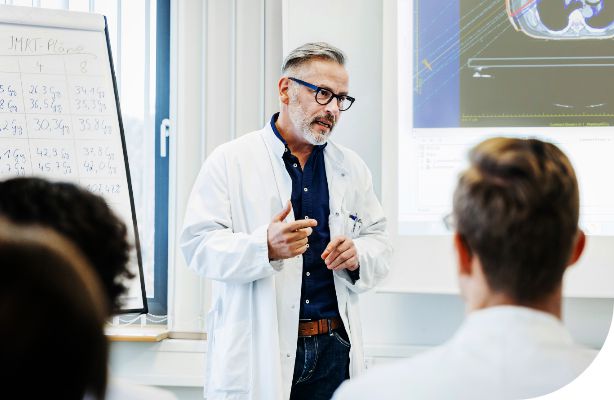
[463, 254]
[283, 86]
[578, 248]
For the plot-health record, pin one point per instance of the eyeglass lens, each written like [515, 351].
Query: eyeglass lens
[324, 96]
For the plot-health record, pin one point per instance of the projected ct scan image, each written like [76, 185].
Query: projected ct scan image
[527, 68]
[514, 63]
[577, 19]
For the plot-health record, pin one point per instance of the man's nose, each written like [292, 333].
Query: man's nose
[333, 107]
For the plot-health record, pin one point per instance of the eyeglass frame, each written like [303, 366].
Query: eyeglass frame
[317, 90]
[449, 222]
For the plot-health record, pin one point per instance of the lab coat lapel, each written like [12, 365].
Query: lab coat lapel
[337, 176]
[283, 181]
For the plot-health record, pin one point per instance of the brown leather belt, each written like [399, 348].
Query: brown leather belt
[312, 328]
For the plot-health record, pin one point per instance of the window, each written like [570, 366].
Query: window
[139, 34]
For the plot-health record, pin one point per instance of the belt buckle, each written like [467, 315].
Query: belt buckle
[307, 327]
[318, 327]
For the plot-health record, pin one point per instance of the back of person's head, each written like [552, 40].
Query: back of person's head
[80, 216]
[516, 207]
[52, 314]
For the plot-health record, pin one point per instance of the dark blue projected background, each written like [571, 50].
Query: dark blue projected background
[522, 63]
[436, 64]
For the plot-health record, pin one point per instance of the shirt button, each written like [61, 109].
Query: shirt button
[308, 273]
[295, 165]
[288, 355]
[307, 246]
[306, 216]
[307, 301]
[306, 190]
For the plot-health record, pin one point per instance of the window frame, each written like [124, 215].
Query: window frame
[158, 304]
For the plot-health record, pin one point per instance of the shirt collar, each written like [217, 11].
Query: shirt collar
[521, 322]
[275, 131]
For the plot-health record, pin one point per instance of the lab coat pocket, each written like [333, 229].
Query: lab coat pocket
[336, 224]
[343, 223]
[231, 357]
[353, 225]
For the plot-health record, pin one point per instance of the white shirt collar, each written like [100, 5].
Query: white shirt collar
[513, 323]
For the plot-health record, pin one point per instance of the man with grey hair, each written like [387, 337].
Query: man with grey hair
[287, 226]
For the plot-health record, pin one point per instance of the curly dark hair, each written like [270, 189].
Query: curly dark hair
[79, 215]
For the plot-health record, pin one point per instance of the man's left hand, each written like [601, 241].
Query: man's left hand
[341, 254]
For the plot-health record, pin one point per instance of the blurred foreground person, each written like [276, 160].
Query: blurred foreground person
[52, 313]
[515, 218]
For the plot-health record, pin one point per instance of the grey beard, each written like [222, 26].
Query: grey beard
[298, 115]
[315, 139]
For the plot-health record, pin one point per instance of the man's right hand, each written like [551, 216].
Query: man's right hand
[286, 240]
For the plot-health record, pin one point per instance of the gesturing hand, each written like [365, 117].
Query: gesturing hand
[341, 254]
[286, 240]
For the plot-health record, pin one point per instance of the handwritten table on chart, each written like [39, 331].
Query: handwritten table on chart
[59, 114]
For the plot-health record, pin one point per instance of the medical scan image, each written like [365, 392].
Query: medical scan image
[497, 63]
[474, 69]
[561, 20]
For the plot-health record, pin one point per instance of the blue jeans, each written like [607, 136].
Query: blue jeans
[322, 364]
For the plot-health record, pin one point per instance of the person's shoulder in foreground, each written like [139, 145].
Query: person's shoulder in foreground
[515, 220]
[370, 385]
[504, 352]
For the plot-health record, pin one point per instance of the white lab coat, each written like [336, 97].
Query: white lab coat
[252, 326]
[504, 352]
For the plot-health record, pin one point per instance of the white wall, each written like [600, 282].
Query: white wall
[175, 365]
[356, 28]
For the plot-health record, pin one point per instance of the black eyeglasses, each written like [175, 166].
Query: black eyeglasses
[325, 96]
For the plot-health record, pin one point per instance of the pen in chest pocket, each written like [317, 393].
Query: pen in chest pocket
[357, 221]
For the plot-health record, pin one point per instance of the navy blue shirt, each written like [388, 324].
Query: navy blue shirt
[310, 200]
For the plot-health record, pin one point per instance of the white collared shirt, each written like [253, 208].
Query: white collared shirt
[503, 352]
